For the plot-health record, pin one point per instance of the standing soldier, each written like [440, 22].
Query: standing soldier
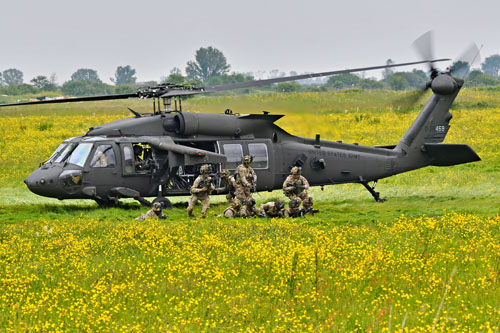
[246, 179]
[201, 189]
[295, 186]
[273, 208]
[229, 185]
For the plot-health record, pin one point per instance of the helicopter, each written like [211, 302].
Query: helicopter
[159, 154]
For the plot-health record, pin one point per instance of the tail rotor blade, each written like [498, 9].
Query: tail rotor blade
[468, 59]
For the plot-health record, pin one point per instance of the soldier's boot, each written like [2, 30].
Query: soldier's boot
[190, 212]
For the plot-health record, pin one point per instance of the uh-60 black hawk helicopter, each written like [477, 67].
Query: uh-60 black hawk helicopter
[159, 154]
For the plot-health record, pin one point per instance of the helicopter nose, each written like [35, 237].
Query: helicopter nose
[43, 182]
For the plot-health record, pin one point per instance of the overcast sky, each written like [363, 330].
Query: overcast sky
[60, 36]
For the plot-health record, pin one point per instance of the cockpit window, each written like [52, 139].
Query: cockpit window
[64, 153]
[54, 155]
[80, 154]
[104, 157]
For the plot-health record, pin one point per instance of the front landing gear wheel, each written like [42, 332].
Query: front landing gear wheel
[164, 202]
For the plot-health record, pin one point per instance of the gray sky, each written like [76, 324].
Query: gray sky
[60, 36]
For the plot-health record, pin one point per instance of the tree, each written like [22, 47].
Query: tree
[491, 65]
[288, 86]
[460, 68]
[43, 83]
[209, 62]
[369, 84]
[12, 77]
[124, 75]
[1, 80]
[342, 81]
[85, 74]
[415, 79]
[388, 71]
[175, 79]
[86, 88]
[478, 79]
[398, 82]
[176, 70]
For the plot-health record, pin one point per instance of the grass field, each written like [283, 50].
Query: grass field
[427, 259]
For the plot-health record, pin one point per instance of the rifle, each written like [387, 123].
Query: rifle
[296, 186]
[303, 211]
[206, 183]
[254, 185]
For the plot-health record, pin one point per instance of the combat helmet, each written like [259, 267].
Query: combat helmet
[247, 159]
[205, 169]
[279, 204]
[294, 203]
[296, 170]
[157, 206]
[225, 173]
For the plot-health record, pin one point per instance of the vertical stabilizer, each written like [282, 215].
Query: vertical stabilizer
[432, 124]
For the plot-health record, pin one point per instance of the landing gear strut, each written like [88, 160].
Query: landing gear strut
[371, 189]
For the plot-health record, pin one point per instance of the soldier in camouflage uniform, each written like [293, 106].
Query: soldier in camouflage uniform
[273, 208]
[153, 213]
[250, 209]
[229, 185]
[232, 211]
[201, 189]
[295, 186]
[246, 179]
[293, 208]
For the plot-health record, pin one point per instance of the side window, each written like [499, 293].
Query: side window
[104, 157]
[259, 153]
[234, 153]
[128, 159]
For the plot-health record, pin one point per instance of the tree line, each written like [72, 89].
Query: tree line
[210, 67]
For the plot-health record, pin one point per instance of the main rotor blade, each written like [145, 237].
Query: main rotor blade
[76, 99]
[248, 84]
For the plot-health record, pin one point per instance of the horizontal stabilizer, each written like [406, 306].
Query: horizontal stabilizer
[450, 154]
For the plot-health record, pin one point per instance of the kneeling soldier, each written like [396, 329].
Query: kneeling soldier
[295, 186]
[153, 213]
[273, 208]
[201, 189]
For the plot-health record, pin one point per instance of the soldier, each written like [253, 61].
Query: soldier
[229, 185]
[295, 186]
[246, 179]
[201, 189]
[233, 210]
[273, 208]
[153, 213]
[293, 208]
[250, 209]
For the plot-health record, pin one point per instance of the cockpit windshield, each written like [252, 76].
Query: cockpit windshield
[64, 153]
[54, 155]
[80, 154]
